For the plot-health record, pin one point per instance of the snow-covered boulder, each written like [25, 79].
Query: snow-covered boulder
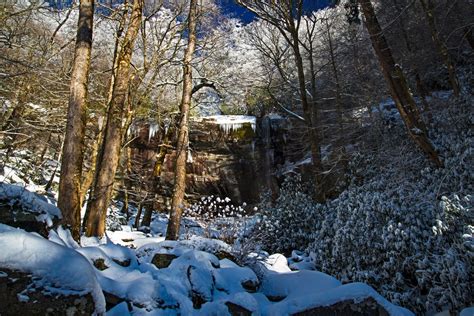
[56, 270]
[25, 209]
[21, 292]
[321, 298]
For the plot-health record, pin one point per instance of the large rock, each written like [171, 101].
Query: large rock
[367, 307]
[163, 260]
[22, 294]
[237, 310]
[236, 159]
[27, 210]
[15, 216]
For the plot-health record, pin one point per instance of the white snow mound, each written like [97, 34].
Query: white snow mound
[55, 264]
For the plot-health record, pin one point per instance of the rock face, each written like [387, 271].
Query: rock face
[235, 160]
[18, 294]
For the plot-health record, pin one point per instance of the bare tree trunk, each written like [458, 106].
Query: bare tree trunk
[468, 35]
[440, 46]
[57, 156]
[419, 83]
[136, 224]
[397, 84]
[126, 182]
[177, 206]
[286, 17]
[158, 167]
[88, 178]
[310, 114]
[69, 200]
[109, 154]
[338, 85]
[11, 124]
[45, 149]
[146, 221]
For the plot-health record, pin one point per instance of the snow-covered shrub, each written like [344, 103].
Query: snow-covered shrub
[286, 224]
[115, 218]
[402, 226]
[24, 167]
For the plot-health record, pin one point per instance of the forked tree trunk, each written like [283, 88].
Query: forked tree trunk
[397, 84]
[109, 154]
[440, 46]
[69, 200]
[88, 177]
[172, 233]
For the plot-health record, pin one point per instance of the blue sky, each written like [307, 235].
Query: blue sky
[232, 8]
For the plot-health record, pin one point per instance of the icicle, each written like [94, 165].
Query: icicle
[152, 130]
[230, 123]
[167, 123]
[189, 157]
[132, 129]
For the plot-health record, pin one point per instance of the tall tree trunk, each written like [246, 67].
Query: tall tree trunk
[11, 124]
[109, 154]
[158, 167]
[69, 200]
[440, 46]
[469, 36]
[420, 87]
[177, 206]
[88, 178]
[126, 181]
[310, 114]
[146, 221]
[136, 224]
[397, 84]
[338, 87]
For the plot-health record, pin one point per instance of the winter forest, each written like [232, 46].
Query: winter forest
[236, 157]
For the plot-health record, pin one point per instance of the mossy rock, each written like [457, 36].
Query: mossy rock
[163, 260]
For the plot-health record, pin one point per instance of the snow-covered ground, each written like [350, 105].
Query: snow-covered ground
[196, 282]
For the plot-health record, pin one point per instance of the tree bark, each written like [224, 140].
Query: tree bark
[69, 200]
[172, 233]
[440, 46]
[397, 84]
[109, 154]
[88, 177]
